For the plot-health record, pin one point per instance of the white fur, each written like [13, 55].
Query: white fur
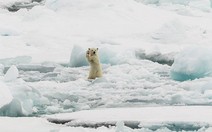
[95, 66]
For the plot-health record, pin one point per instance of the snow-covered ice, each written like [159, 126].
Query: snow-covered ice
[138, 117]
[158, 114]
[153, 53]
[33, 124]
[146, 119]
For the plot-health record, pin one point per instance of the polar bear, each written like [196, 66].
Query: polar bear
[93, 60]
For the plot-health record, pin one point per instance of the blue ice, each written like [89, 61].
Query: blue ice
[192, 63]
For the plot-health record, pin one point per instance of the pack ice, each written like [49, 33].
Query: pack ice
[136, 41]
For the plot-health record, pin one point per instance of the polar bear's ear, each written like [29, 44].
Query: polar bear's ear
[97, 48]
[88, 48]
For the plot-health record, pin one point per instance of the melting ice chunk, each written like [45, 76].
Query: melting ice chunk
[78, 57]
[12, 74]
[192, 63]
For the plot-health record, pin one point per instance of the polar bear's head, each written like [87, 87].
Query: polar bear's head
[92, 52]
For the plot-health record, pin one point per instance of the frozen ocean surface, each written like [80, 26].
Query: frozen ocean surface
[154, 53]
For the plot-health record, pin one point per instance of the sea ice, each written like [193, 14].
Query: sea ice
[170, 118]
[24, 99]
[128, 81]
[211, 2]
[204, 5]
[10, 2]
[182, 2]
[12, 74]
[5, 95]
[1, 69]
[156, 57]
[192, 63]
[16, 60]
[78, 57]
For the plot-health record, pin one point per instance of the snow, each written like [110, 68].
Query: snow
[10, 2]
[192, 63]
[34, 124]
[15, 61]
[149, 120]
[153, 53]
[158, 115]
